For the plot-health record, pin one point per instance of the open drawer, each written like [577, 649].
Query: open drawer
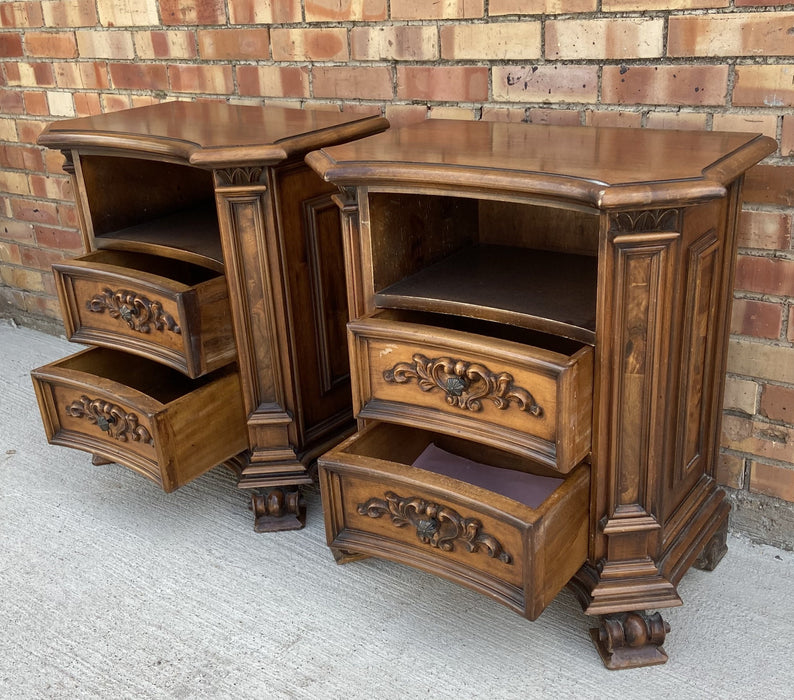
[142, 414]
[377, 503]
[171, 311]
[493, 383]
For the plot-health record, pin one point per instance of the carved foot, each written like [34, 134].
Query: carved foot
[343, 556]
[631, 640]
[98, 461]
[278, 509]
[715, 549]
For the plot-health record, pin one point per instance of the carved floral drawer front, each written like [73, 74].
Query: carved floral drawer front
[377, 504]
[521, 398]
[171, 311]
[161, 424]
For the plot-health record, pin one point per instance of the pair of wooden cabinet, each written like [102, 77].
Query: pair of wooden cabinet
[537, 332]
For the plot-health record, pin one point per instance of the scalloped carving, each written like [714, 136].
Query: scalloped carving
[115, 421]
[230, 177]
[646, 220]
[136, 310]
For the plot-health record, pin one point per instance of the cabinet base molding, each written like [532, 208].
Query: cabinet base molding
[631, 640]
[715, 549]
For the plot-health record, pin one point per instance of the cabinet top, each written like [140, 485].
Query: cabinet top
[210, 134]
[604, 167]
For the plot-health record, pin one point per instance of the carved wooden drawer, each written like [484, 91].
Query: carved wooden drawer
[495, 390]
[377, 504]
[142, 414]
[170, 310]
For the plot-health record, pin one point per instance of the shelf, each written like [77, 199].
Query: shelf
[540, 290]
[190, 235]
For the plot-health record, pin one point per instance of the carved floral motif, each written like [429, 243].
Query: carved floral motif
[646, 220]
[139, 313]
[464, 383]
[436, 525]
[110, 418]
[229, 177]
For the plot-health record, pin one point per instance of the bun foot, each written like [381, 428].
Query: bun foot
[278, 509]
[631, 640]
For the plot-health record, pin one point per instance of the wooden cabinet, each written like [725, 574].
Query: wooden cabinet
[212, 290]
[551, 303]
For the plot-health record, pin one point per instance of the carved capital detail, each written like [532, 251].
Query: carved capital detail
[110, 418]
[251, 175]
[465, 384]
[645, 220]
[138, 312]
[436, 525]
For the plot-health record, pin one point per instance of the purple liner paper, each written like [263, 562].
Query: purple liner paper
[529, 489]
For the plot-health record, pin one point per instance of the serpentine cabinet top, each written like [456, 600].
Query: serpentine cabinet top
[210, 134]
[602, 167]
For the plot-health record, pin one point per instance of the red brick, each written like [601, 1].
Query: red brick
[139, 76]
[620, 118]
[790, 334]
[546, 83]
[365, 82]
[94, 44]
[67, 215]
[539, 7]
[646, 5]
[764, 86]
[759, 438]
[29, 130]
[92, 75]
[21, 158]
[730, 471]
[764, 229]
[448, 112]
[51, 45]
[562, 117]
[689, 121]
[29, 74]
[173, 43]
[309, 44]
[45, 187]
[9, 252]
[582, 39]
[36, 103]
[442, 83]
[35, 212]
[70, 13]
[772, 480]
[765, 275]
[39, 259]
[402, 115]
[504, 114]
[345, 10]
[770, 184]
[223, 44]
[273, 81]
[758, 3]
[754, 123]
[777, 403]
[16, 230]
[12, 102]
[265, 11]
[53, 160]
[14, 182]
[197, 12]
[212, 79]
[735, 34]
[114, 103]
[448, 9]
[494, 41]
[10, 45]
[113, 13]
[760, 319]
[63, 239]
[667, 85]
[21, 14]
[21, 278]
[405, 42]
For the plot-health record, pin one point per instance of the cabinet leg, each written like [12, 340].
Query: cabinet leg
[98, 461]
[343, 556]
[715, 549]
[631, 640]
[278, 509]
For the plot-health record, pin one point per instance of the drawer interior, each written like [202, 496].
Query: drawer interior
[178, 270]
[151, 378]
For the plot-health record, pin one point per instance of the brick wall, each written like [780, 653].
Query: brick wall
[686, 64]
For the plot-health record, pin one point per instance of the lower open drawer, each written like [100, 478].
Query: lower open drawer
[142, 414]
[377, 503]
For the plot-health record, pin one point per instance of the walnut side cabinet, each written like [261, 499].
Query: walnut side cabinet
[552, 304]
[212, 292]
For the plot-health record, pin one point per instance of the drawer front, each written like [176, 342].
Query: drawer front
[186, 326]
[516, 397]
[82, 407]
[519, 556]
